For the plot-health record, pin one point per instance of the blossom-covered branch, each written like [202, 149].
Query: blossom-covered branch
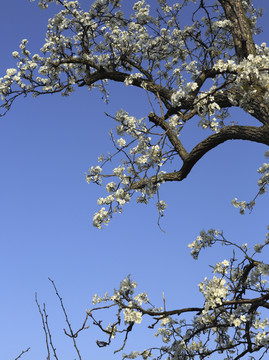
[193, 73]
[232, 320]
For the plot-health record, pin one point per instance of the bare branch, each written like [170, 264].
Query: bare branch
[72, 334]
[23, 352]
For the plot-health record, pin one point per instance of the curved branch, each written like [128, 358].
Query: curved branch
[250, 133]
[121, 77]
[171, 135]
[222, 96]
[101, 74]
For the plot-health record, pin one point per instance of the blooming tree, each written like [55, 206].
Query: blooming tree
[195, 73]
[188, 73]
[230, 322]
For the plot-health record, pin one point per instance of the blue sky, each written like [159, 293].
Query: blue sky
[46, 208]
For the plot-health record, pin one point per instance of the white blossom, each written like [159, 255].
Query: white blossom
[131, 315]
[11, 72]
[15, 54]
[121, 142]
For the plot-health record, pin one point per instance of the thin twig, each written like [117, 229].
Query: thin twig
[72, 334]
[44, 326]
[23, 352]
[48, 331]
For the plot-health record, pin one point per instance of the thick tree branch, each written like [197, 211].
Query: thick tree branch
[222, 96]
[171, 135]
[257, 106]
[241, 31]
[250, 133]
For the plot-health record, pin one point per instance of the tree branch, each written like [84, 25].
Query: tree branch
[241, 31]
[23, 352]
[171, 135]
[250, 133]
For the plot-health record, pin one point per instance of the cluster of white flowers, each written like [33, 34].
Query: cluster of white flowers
[237, 321]
[131, 315]
[251, 68]
[210, 124]
[165, 334]
[129, 80]
[165, 7]
[262, 339]
[175, 124]
[96, 299]
[142, 157]
[221, 267]
[204, 240]
[182, 92]
[144, 50]
[140, 298]
[119, 195]
[111, 187]
[134, 354]
[264, 179]
[225, 316]
[127, 286]
[242, 205]
[101, 218]
[166, 329]
[141, 11]
[129, 124]
[9, 73]
[121, 142]
[214, 291]
[177, 96]
[161, 206]
[94, 174]
[221, 24]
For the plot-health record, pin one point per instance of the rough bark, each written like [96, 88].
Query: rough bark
[241, 32]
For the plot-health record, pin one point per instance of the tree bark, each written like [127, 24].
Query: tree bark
[241, 31]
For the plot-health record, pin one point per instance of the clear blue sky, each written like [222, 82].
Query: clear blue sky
[46, 208]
